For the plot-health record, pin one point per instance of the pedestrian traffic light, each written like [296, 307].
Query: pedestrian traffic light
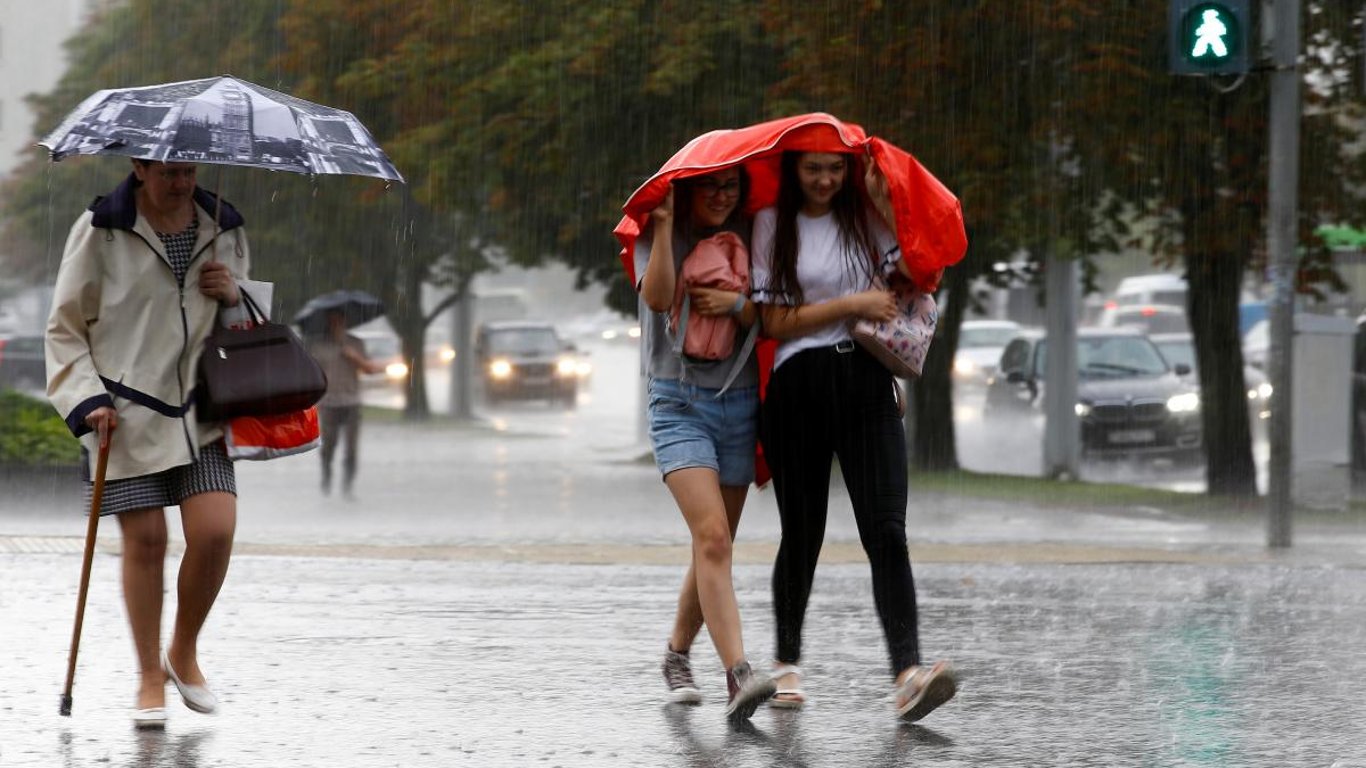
[1208, 37]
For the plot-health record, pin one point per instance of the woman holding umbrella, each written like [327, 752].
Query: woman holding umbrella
[815, 256]
[143, 275]
[703, 432]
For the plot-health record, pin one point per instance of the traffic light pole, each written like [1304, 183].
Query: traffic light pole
[1282, 231]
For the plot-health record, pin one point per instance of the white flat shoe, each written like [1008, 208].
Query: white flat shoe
[196, 697]
[152, 718]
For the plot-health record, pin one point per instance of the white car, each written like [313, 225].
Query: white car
[979, 349]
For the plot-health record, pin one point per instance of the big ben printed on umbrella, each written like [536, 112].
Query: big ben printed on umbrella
[221, 120]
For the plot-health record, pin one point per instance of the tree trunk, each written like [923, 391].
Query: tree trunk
[411, 324]
[1215, 281]
[934, 445]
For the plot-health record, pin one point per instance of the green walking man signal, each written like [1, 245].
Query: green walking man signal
[1208, 37]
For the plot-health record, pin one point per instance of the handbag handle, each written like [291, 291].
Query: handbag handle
[254, 312]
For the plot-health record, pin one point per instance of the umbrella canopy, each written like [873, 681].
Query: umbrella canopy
[929, 218]
[356, 307]
[220, 120]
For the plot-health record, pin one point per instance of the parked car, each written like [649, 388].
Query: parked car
[1179, 349]
[979, 349]
[384, 346]
[23, 364]
[526, 360]
[1130, 400]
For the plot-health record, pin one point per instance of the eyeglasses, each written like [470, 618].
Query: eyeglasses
[711, 188]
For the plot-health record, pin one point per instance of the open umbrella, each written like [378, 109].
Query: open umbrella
[356, 307]
[220, 120]
[929, 217]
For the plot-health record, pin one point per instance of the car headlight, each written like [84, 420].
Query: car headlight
[1083, 410]
[447, 353]
[565, 366]
[500, 369]
[964, 367]
[1186, 402]
[582, 368]
[396, 370]
[1264, 390]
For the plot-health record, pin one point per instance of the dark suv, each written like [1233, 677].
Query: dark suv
[526, 361]
[23, 364]
[1130, 400]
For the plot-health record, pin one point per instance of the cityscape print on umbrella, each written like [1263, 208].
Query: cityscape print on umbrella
[221, 120]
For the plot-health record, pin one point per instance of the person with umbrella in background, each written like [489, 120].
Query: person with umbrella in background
[324, 321]
[143, 275]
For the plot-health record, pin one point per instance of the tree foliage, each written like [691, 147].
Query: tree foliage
[522, 127]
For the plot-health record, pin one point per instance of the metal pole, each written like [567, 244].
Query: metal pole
[1062, 433]
[1283, 183]
[462, 341]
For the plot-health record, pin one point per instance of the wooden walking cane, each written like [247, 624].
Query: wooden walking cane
[96, 497]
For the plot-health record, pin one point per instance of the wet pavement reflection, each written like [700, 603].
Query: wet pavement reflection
[342, 662]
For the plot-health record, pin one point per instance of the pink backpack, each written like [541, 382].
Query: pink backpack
[720, 261]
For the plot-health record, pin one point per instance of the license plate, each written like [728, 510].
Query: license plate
[536, 381]
[1130, 436]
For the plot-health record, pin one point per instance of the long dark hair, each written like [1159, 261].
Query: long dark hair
[686, 188]
[855, 240]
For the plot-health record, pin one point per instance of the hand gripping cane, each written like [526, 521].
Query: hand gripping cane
[96, 497]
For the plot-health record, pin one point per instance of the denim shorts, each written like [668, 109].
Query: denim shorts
[691, 427]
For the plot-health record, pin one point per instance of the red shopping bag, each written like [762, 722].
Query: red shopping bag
[258, 438]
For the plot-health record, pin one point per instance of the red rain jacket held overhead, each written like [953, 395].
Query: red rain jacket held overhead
[929, 218]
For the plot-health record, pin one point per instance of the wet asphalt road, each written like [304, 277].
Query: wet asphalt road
[346, 662]
[499, 594]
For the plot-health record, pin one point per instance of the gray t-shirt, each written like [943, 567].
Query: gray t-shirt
[659, 357]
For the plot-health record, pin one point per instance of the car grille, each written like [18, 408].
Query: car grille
[1137, 412]
[536, 369]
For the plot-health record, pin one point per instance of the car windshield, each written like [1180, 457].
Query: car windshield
[986, 337]
[1153, 321]
[542, 341]
[1111, 357]
[1177, 352]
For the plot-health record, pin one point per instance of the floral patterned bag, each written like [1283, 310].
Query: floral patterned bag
[902, 343]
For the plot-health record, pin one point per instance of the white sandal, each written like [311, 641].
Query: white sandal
[787, 698]
[924, 690]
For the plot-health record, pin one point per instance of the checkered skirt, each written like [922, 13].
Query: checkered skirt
[213, 472]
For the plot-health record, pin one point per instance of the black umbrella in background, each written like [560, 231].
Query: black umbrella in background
[356, 307]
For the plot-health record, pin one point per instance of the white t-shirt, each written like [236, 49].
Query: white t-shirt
[824, 271]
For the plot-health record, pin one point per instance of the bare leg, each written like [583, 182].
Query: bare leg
[209, 520]
[700, 500]
[144, 564]
[688, 621]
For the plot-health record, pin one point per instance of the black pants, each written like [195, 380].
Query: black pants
[825, 403]
[339, 424]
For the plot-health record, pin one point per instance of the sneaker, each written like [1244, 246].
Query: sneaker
[924, 690]
[677, 668]
[747, 691]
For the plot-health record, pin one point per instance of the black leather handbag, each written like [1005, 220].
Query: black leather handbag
[263, 370]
